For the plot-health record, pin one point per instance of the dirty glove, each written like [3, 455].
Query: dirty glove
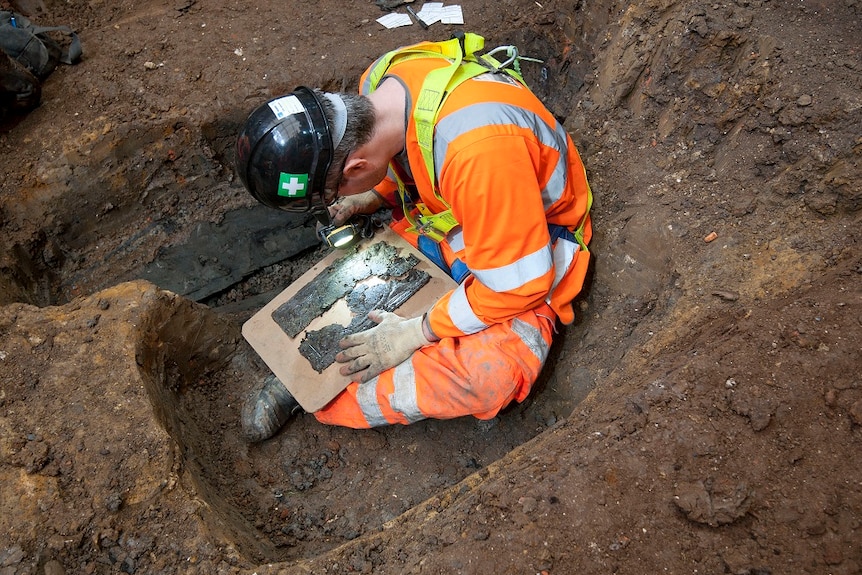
[369, 353]
[348, 206]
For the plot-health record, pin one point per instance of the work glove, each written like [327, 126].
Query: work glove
[369, 353]
[348, 206]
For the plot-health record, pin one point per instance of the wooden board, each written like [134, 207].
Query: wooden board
[280, 351]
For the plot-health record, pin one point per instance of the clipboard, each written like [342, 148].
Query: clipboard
[296, 333]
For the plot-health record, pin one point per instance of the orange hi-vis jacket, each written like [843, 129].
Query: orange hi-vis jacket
[516, 185]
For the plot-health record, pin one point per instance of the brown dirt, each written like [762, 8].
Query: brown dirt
[703, 415]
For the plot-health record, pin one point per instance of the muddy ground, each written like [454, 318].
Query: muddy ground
[703, 414]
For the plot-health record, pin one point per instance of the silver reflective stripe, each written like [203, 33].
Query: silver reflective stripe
[462, 314]
[494, 113]
[403, 399]
[556, 185]
[564, 254]
[532, 338]
[455, 239]
[366, 395]
[516, 274]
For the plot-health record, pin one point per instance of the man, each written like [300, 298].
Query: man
[485, 181]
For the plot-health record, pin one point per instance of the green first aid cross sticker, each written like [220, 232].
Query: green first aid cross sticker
[293, 185]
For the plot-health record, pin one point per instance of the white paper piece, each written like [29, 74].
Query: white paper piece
[452, 15]
[395, 20]
[431, 12]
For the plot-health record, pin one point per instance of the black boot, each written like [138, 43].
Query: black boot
[264, 414]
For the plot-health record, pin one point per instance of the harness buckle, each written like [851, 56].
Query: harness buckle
[511, 52]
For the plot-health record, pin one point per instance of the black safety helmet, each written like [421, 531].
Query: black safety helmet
[284, 151]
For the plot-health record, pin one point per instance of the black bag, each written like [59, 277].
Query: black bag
[31, 46]
[27, 55]
[20, 90]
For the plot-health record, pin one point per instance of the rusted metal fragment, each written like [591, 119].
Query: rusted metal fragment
[337, 280]
[319, 347]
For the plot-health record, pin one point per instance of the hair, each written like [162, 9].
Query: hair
[360, 128]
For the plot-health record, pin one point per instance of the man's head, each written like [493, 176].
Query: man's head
[292, 150]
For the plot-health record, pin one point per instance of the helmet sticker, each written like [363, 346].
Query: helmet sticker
[292, 185]
[286, 106]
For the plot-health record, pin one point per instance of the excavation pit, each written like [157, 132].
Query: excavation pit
[157, 201]
[721, 434]
[311, 488]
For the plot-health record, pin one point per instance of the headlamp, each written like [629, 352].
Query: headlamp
[339, 237]
[348, 233]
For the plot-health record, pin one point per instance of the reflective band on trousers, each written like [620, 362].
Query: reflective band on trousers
[403, 399]
[366, 397]
[532, 338]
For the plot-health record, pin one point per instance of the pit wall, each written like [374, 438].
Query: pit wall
[94, 447]
[182, 346]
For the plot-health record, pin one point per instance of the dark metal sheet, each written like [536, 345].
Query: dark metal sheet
[319, 347]
[337, 280]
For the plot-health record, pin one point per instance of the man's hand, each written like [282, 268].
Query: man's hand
[369, 353]
[348, 206]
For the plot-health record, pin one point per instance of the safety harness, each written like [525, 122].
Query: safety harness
[465, 63]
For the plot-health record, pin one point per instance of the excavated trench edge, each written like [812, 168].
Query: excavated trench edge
[181, 343]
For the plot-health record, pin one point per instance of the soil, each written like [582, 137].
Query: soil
[702, 415]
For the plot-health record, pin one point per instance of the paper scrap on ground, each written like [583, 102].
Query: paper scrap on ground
[430, 13]
[395, 20]
[452, 15]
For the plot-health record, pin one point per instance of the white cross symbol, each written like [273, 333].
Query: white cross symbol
[293, 186]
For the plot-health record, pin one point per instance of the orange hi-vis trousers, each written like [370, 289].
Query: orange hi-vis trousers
[477, 374]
